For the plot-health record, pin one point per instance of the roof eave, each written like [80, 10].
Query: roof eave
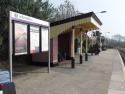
[82, 16]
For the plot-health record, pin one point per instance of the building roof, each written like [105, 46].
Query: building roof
[78, 17]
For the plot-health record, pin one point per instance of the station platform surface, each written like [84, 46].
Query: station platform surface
[101, 74]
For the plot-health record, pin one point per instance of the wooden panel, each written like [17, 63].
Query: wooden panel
[87, 24]
[56, 30]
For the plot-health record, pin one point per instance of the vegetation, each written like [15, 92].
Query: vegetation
[65, 10]
[117, 41]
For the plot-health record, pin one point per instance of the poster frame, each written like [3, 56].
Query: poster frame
[17, 17]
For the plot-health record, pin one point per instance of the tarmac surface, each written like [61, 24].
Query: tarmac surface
[98, 75]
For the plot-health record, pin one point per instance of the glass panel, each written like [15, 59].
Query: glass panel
[20, 38]
[34, 39]
[44, 39]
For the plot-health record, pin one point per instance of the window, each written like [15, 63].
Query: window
[34, 39]
[44, 32]
[20, 38]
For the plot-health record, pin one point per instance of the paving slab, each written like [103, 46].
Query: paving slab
[117, 83]
[91, 77]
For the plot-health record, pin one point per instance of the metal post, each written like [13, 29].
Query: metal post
[100, 43]
[92, 44]
[10, 46]
[86, 53]
[49, 50]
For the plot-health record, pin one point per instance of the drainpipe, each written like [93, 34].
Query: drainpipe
[81, 59]
[86, 53]
[72, 48]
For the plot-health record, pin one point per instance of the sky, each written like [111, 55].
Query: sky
[113, 20]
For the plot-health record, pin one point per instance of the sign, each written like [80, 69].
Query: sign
[23, 44]
[20, 38]
[34, 39]
[27, 19]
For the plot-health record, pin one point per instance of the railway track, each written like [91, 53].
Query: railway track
[122, 53]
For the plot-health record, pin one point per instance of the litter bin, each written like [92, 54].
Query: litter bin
[6, 87]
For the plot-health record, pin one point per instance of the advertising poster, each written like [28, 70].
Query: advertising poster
[20, 38]
[44, 39]
[34, 39]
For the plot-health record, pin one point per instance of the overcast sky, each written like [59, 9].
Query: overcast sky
[113, 20]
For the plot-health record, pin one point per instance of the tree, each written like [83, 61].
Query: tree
[118, 41]
[65, 10]
[118, 37]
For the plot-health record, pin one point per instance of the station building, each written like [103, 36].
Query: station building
[66, 37]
